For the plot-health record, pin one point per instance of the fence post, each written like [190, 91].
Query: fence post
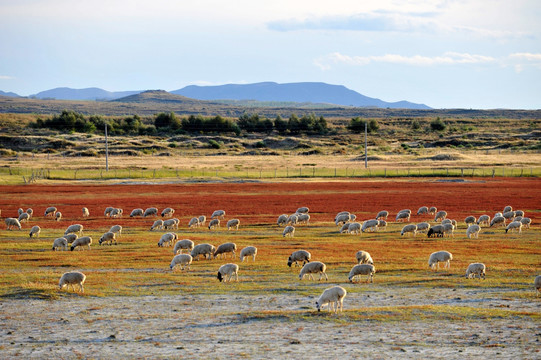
[334, 172]
[462, 172]
[493, 172]
[313, 172]
[385, 172]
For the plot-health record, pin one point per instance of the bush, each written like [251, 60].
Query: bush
[357, 125]
[437, 125]
[214, 144]
[163, 120]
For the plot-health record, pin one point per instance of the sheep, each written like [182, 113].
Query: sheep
[433, 210]
[363, 257]
[483, 220]
[233, 223]
[470, 220]
[218, 214]
[136, 212]
[510, 215]
[282, 220]
[440, 215]
[526, 222]
[226, 272]
[403, 216]
[157, 225]
[289, 231]
[248, 251]
[203, 249]
[30, 212]
[343, 218]
[405, 211]
[50, 211]
[70, 237]
[24, 217]
[194, 222]
[333, 298]
[168, 212]
[75, 228]
[478, 269]
[116, 213]
[108, 237]
[315, 267]
[473, 230]
[35, 231]
[498, 214]
[183, 244]
[86, 213]
[352, 217]
[435, 231]
[117, 229]
[440, 256]
[151, 211]
[410, 228]
[108, 210]
[81, 242]
[507, 209]
[223, 249]
[423, 227]
[202, 220]
[58, 216]
[302, 210]
[500, 220]
[60, 243]
[11, 222]
[297, 256]
[518, 218]
[362, 269]
[514, 226]
[422, 210]
[519, 213]
[214, 223]
[182, 260]
[170, 224]
[292, 219]
[537, 285]
[370, 225]
[448, 229]
[383, 214]
[19, 211]
[382, 224]
[303, 219]
[449, 221]
[354, 228]
[72, 278]
[344, 228]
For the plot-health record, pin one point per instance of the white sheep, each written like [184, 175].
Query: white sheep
[35, 231]
[484, 220]
[497, 220]
[226, 272]
[167, 238]
[440, 256]
[303, 219]
[70, 237]
[151, 211]
[282, 220]
[108, 210]
[182, 260]
[157, 225]
[58, 216]
[202, 220]
[30, 212]
[170, 224]
[203, 249]
[315, 267]
[117, 229]
[422, 210]
[81, 243]
[433, 210]
[473, 230]
[116, 213]
[362, 269]
[526, 222]
[537, 284]
[233, 223]
[136, 212]
[410, 228]
[74, 228]
[302, 210]
[383, 214]
[448, 229]
[518, 218]
[498, 214]
[248, 251]
[184, 244]
[218, 214]
[440, 215]
[194, 222]
[289, 231]
[19, 211]
[50, 211]
[507, 209]
[72, 278]
[515, 225]
[24, 217]
[297, 256]
[60, 243]
[403, 216]
[354, 228]
[333, 298]
[423, 227]
[478, 269]
[344, 228]
[11, 222]
[510, 215]
[223, 249]
[519, 213]
[363, 257]
[108, 237]
[470, 220]
[86, 213]
[405, 211]
[214, 223]
[382, 224]
[352, 217]
[292, 219]
[168, 212]
[341, 218]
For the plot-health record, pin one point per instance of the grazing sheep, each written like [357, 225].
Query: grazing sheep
[510, 215]
[292, 219]
[183, 244]
[168, 212]
[158, 224]
[226, 272]
[289, 231]
[214, 223]
[35, 231]
[223, 249]
[30, 212]
[24, 217]
[302, 210]
[478, 269]
[526, 222]
[19, 211]
[72, 278]
[515, 225]
[332, 297]
[370, 225]
[362, 269]
[403, 216]
[194, 222]
[483, 220]
[423, 227]
[108, 210]
[519, 213]
[473, 230]
[344, 228]
[75, 228]
[117, 229]
[383, 214]
[58, 216]
[151, 211]
[410, 228]
[170, 224]
[343, 218]
[70, 237]
[136, 212]
[81, 243]
[11, 222]
[440, 215]
[470, 220]
[500, 220]
[86, 213]
[303, 219]
[352, 217]
[203, 249]
[382, 224]
[537, 284]
[182, 260]
[422, 210]
[218, 214]
[435, 231]
[233, 223]
[202, 220]
[433, 210]
[363, 257]
[60, 243]
[440, 256]
[518, 218]
[315, 267]
[282, 220]
[108, 237]
[354, 228]
[405, 211]
[50, 211]
[248, 251]
[116, 213]
[507, 209]
[297, 256]
[498, 214]
[448, 229]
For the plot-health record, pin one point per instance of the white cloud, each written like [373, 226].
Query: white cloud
[526, 56]
[6, 77]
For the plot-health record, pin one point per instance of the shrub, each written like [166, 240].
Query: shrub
[214, 144]
[356, 125]
[437, 125]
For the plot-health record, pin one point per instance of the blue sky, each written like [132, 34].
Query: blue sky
[447, 54]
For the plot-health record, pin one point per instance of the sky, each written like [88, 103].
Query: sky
[480, 54]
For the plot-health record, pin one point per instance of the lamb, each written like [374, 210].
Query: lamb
[183, 244]
[302, 210]
[289, 231]
[343, 218]
[86, 213]
[108, 210]
[435, 231]
[50, 211]
[470, 220]
[11, 222]
[282, 220]
[303, 219]
[382, 224]
[170, 224]
[297, 256]
[202, 220]
[108, 237]
[370, 225]
[136, 212]
[483, 220]
[218, 214]
[35, 231]
[117, 229]
[433, 210]
[24, 217]
[193, 222]
[70, 237]
[476, 269]
[507, 209]
[72, 278]
[151, 211]
[448, 229]
[182, 260]
[354, 228]
[423, 227]
[248, 251]
[332, 297]
[214, 223]
[515, 225]
[60, 243]
[75, 228]
[382, 215]
[226, 272]
[233, 223]
[440, 215]
[344, 228]
[203, 249]
[223, 249]
[362, 269]
[315, 267]
[537, 285]
[30, 212]
[168, 212]
[473, 230]
[440, 256]
[526, 222]
[58, 216]
[363, 257]
[81, 242]
[410, 228]
[158, 224]
[422, 210]
[500, 220]
[403, 216]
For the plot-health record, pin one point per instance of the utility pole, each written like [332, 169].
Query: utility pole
[106, 151]
[366, 144]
